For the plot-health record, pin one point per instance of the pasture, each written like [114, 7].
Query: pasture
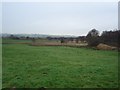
[58, 67]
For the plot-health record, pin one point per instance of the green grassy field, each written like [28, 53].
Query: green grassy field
[62, 67]
[15, 41]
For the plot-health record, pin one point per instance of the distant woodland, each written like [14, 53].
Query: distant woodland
[93, 38]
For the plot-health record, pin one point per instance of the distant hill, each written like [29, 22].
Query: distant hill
[34, 35]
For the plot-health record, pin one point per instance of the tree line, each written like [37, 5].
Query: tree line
[107, 37]
[93, 38]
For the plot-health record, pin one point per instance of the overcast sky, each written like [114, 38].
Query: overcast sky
[58, 18]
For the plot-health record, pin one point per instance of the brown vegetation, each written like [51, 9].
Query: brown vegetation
[102, 46]
[57, 44]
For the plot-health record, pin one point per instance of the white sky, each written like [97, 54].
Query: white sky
[59, 18]
[59, 0]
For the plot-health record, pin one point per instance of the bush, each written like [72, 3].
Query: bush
[93, 37]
